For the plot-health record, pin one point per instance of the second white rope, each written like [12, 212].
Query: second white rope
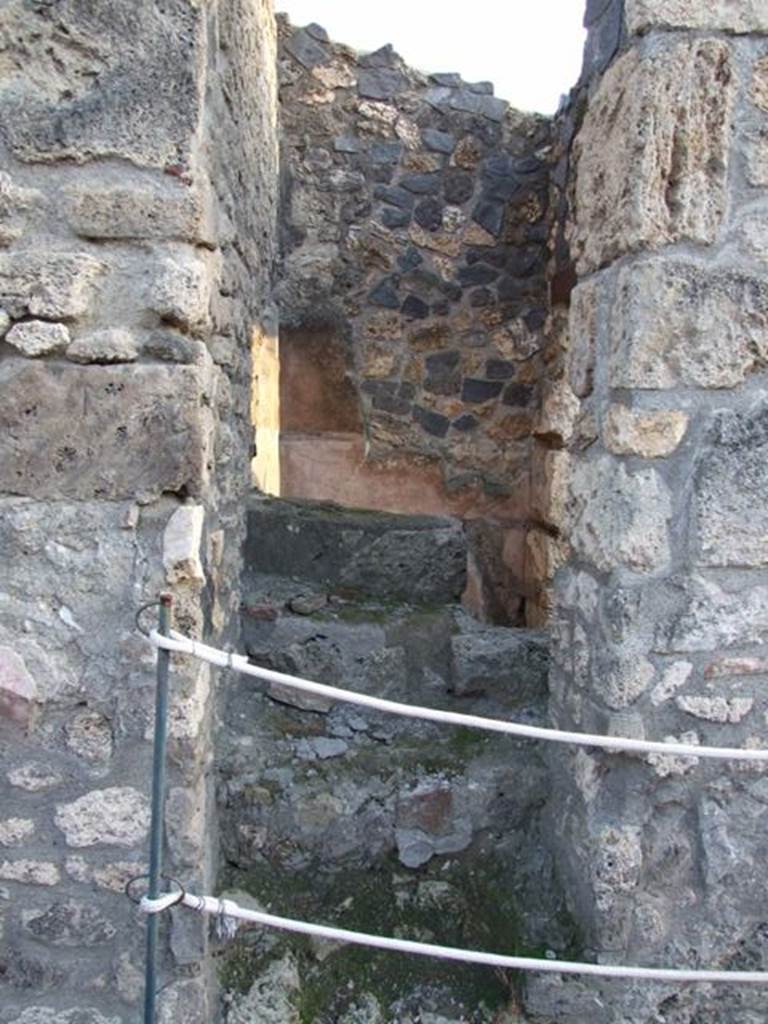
[183, 645]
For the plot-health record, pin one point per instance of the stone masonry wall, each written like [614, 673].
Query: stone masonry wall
[657, 497]
[414, 245]
[137, 209]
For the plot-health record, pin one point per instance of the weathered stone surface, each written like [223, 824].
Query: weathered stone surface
[512, 664]
[149, 71]
[142, 408]
[418, 559]
[669, 113]
[54, 285]
[112, 876]
[182, 540]
[649, 434]
[18, 689]
[736, 666]
[186, 1000]
[179, 292]
[306, 49]
[716, 709]
[117, 816]
[744, 16]
[549, 490]
[475, 103]
[273, 997]
[29, 872]
[15, 831]
[621, 679]
[34, 778]
[440, 142]
[167, 210]
[713, 618]
[731, 486]
[49, 1015]
[38, 338]
[757, 159]
[617, 867]
[70, 924]
[677, 675]
[89, 735]
[558, 414]
[618, 518]
[113, 345]
[759, 84]
[20, 208]
[336, 75]
[678, 323]
[380, 83]
[185, 813]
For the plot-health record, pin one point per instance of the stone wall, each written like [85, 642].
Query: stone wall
[656, 499]
[137, 209]
[615, 432]
[414, 228]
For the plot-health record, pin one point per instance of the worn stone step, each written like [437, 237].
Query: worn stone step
[387, 557]
[438, 656]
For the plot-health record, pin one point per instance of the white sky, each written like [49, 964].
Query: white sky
[530, 51]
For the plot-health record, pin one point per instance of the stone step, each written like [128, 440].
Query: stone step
[364, 555]
[438, 657]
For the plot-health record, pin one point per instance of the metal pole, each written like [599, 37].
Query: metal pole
[158, 808]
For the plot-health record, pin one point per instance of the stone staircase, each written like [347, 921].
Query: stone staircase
[335, 813]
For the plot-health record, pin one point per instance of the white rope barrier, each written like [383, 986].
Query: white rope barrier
[228, 909]
[184, 645]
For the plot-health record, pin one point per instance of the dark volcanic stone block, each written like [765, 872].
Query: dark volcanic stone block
[421, 559]
[432, 422]
[317, 32]
[392, 217]
[489, 215]
[510, 289]
[474, 103]
[384, 57]
[499, 369]
[529, 166]
[438, 142]
[517, 394]
[394, 196]
[421, 184]
[409, 260]
[443, 373]
[442, 362]
[535, 319]
[385, 293]
[388, 396]
[514, 662]
[477, 273]
[526, 260]
[429, 214]
[480, 297]
[465, 423]
[414, 308]
[380, 83]
[458, 186]
[385, 152]
[474, 390]
[448, 79]
[306, 50]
